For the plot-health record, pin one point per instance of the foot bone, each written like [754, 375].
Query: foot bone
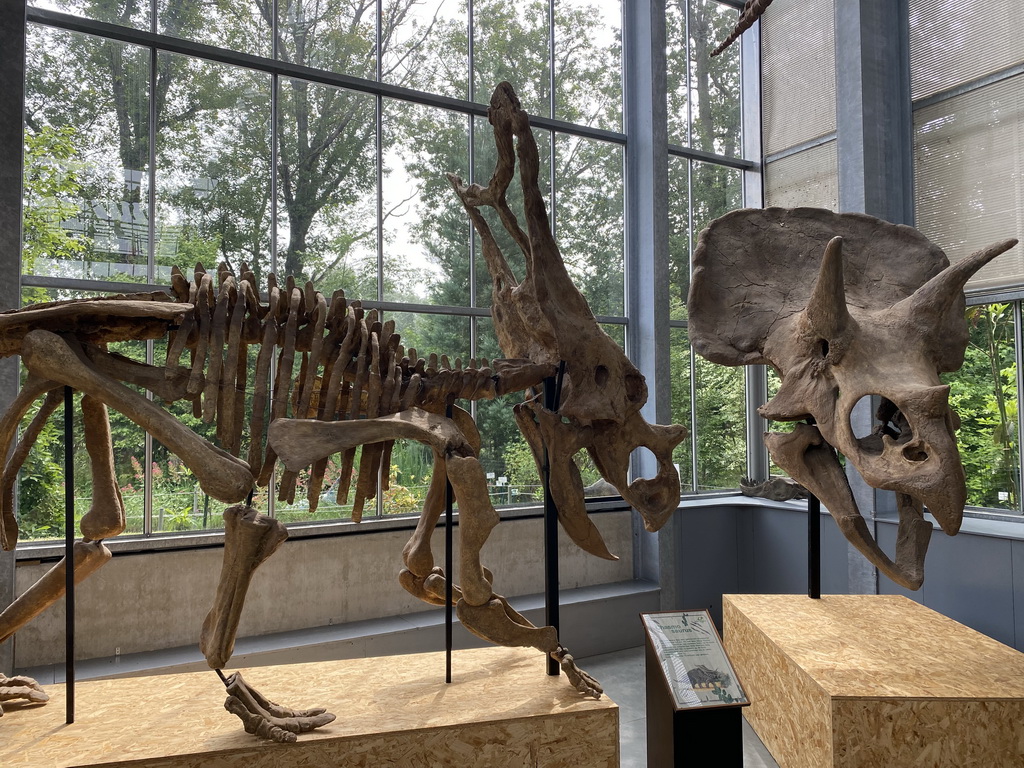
[268, 720]
[20, 687]
[580, 680]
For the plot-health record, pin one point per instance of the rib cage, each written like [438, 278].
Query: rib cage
[349, 365]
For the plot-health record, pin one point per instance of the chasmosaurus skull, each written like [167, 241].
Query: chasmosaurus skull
[846, 306]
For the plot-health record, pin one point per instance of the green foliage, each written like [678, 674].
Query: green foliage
[984, 394]
[89, 152]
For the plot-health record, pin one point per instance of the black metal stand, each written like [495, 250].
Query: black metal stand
[69, 553]
[448, 575]
[694, 737]
[552, 397]
[813, 546]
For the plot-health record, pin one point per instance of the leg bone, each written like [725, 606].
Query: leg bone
[88, 557]
[249, 539]
[219, 473]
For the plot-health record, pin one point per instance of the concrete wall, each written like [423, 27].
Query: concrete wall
[151, 601]
[976, 577]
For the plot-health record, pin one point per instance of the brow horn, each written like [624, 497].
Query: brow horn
[939, 292]
[826, 308]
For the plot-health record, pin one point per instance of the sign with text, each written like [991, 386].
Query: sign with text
[693, 660]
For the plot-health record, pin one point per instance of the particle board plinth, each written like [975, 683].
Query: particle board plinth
[861, 681]
[501, 709]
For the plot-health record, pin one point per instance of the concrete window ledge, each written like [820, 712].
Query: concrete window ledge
[595, 619]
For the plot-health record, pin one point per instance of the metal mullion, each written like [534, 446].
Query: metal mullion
[1018, 352]
[379, 130]
[693, 353]
[275, 120]
[551, 61]
[287, 69]
[147, 471]
[689, 80]
[551, 110]
[712, 157]
[471, 51]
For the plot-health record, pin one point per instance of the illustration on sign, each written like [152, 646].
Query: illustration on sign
[698, 672]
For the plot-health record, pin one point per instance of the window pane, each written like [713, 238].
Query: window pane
[426, 230]
[678, 235]
[329, 506]
[774, 382]
[505, 455]
[327, 185]
[955, 41]
[484, 159]
[86, 158]
[336, 35]
[126, 13]
[424, 46]
[682, 404]
[715, 82]
[511, 43]
[41, 478]
[590, 221]
[676, 64]
[969, 176]
[984, 394]
[237, 26]
[721, 426]
[588, 63]
[715, 190]
[213, 168]
[809, 177]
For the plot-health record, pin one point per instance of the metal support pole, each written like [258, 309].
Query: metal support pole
[813, 547]
[69, 553]
[448, 566]
[552, 394]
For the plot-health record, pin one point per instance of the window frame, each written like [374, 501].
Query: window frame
[641, 133]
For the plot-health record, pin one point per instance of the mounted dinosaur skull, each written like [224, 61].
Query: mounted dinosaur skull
[843, 307]
[546, 319]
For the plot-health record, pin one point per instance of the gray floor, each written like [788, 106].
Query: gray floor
[622, 675]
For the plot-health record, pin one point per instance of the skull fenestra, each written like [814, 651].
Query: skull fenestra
[843, 307]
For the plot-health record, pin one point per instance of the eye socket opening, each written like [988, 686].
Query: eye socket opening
[887, 421]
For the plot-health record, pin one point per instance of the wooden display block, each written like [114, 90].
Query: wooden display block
[501, 709]
[862, 681]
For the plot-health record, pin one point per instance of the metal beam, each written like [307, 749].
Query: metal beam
[756, 383]
[12, 86]
[647, 298]
[874, 140]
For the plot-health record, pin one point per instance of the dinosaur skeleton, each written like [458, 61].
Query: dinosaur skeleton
[752, 11]
[343, 382]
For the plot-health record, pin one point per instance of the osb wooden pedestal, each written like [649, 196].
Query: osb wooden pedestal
[501, 709]
[870, 680]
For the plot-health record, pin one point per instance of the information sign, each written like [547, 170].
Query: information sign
[693, 660]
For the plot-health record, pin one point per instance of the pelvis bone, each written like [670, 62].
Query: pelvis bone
[843, 307]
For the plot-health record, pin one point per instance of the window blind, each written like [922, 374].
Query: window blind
[956, 41]
[798, 72]
[969, 176]
[810, 177]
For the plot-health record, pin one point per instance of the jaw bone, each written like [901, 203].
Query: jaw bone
[809, 460]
